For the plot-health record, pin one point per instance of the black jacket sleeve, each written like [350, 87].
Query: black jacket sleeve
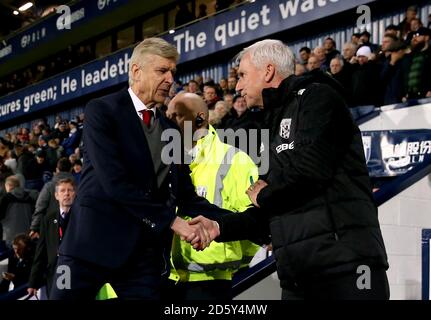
[251, 224]
[40, 262]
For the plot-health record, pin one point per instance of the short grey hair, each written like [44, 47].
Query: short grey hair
[222, 103]
[273, 51]
[156, 46]
[339, 58]
[350, 45]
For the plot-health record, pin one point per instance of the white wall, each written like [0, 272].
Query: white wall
[403, 217]
[418, 117]
[267, 289]
[402, 220]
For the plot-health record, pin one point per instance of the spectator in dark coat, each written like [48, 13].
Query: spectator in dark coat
[19, 265]
[53, 153]
[246, 119]
[305, 54]
[418, 66]
[365, 41]
[405, 24]
[52, 230]
[76, 170]
[393, 30]
[16, 208]
[62, 132]
[210, 96]
[223, 113]
[339, 73]
[365, 80]
[330, 50]
[46, 201]
[25, 159]
[392, 75]
[37, 167]
[72, 142]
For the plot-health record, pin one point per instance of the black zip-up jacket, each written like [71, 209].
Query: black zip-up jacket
[322, 217]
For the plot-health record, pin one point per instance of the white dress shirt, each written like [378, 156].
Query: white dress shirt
[139, 105]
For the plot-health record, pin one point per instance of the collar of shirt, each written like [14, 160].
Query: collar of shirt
[139, 105]
[62, 211]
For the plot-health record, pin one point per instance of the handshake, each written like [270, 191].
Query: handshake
[199, 231]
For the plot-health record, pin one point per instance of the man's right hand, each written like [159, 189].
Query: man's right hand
[34, 235]
[397, 56]
[211, 226]
[196, 234]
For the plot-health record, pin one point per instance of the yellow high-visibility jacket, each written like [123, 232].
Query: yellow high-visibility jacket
[221, 174]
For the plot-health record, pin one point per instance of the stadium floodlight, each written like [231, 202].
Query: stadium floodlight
[15, 12]
[25, 6]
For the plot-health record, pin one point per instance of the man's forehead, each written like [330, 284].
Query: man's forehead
[159, 60]
[65, 186]
[247, 65]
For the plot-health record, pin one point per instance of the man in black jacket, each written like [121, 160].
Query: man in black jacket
[317, 194]
[52, 229]
[46, 201]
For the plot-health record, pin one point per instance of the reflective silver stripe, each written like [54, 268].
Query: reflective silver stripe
[221, 173]
[196, 267]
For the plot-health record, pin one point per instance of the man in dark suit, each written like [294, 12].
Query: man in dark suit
[124, 214]
[52, 229]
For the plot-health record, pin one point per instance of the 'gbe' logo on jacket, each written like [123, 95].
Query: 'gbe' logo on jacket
[285, 128]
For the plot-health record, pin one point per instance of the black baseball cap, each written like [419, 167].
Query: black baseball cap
[422, 31]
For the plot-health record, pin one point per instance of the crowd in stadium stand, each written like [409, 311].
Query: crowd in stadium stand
[69, 58]
[396, 70]
[77, 55]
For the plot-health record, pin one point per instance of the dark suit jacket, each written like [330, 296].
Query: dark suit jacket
[45, 258]
[118, 199]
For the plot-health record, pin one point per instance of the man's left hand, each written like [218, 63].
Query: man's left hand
[254, 190]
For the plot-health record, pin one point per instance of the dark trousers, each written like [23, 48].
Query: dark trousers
[197, 290]
[339, 287]
[139, 278]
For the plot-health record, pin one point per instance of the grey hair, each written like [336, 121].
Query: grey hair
[156, 46]
[222, 102]
[273, 51]
[350, 45]
[339, 58]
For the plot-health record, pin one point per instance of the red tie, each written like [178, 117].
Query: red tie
[146, 116]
